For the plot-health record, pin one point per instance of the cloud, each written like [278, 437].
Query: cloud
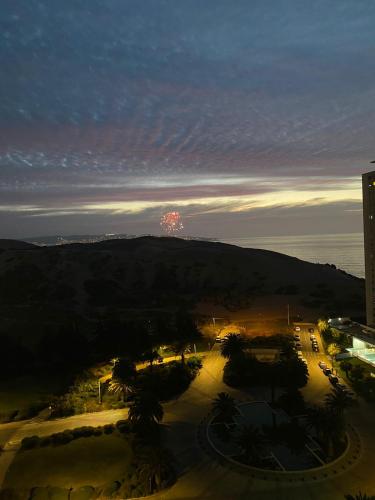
[131, 107]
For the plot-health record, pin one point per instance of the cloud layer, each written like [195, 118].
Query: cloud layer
[224, 110]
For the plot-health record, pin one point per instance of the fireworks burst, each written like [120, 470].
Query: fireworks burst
[171, 222]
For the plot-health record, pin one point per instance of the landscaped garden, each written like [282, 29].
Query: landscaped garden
[282, 433]
[117, 461]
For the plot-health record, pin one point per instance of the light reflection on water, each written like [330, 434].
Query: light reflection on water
[343, 250]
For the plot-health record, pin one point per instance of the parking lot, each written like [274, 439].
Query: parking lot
[318, 385]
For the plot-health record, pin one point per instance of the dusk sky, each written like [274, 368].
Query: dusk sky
[250, 117]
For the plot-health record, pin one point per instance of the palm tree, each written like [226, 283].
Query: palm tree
[359, 496]
[186, 333]
[329, 426]
[123, 376]
[180, 347]
[233, 346]
[251, 441]
[225, 406]
[146, 412]
[338, 400]
[154, 466]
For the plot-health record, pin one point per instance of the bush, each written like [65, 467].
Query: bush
[61, 438]
[45, 441]
[194, 363]
[108, 429]
[28, 443]
[83, 493]
[123, 426]
[111, 488]
[85, 431]
[118, 405]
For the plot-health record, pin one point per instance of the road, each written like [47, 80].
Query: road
[200, 474]
[318, 385]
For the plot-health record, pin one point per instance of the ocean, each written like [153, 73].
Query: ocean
[343, 250]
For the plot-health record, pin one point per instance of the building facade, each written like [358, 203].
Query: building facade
[368, 190]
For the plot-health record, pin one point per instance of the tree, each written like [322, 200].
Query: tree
[338, 401]
[185, 333]
[328, 424]
[346, 366]
[233, 346]
[332, 350]
[225, 406]
[251, 441]
[146, 412]
[123, 377]
[322, 325]
[150, 356]
[357, 372]
[154, 466]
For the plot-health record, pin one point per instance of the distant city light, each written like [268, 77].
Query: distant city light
[171, 222]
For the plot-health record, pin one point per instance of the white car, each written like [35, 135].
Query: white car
[297, 328]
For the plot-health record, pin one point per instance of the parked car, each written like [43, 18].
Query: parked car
[322, 365]
[299, 345]
[312, 337]
[333, 379]
[327, 371]
[297, 328]
[297, 337]
[299, 354]
[218, 339]
[341, 387]
[315, 348]
[345, 388]
[311, 330]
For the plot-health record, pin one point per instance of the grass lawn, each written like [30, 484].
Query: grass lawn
[85, 461]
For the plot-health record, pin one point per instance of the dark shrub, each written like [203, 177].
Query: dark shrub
[108, 428]
[45, 441]
[83, 493]
[111, 488]
[29, 443]
[123, 426]
[98, 431]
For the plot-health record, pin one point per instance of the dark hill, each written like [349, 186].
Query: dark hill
[15, 245]
[44, 286]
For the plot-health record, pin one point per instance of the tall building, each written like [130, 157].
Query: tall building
[368, 189]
